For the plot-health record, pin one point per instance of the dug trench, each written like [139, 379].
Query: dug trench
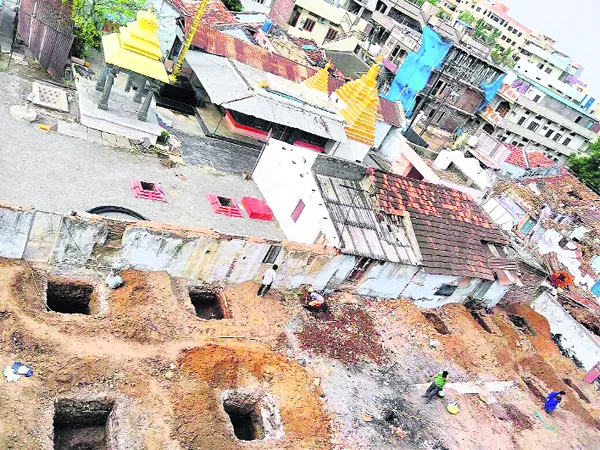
[311, 383]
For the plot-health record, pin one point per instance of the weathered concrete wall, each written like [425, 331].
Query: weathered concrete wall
[76, 239]
[386, 280]
[494, 294]
[423, 287]
[574, 335]
[15, 224]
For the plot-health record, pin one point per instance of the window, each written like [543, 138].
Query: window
[567, 141]
[521, 120]
[527, 226]
[309, 24]
[556, 137]
[294, 18]
[331, 34]
[548, 69]
[272, 254]
[540, 66]
[520, 34]
[298, 210]
[578, 119]
[446, 290]
[533, 126]
[381, 7]
[510, 29]
[549, 133]
[537, 98]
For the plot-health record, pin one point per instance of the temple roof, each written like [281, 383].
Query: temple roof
[360, 101]
[136, 47]
[319, 80]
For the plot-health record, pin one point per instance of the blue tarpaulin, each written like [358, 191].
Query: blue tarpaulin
[596, 289]
[490, 90]
[412, 77]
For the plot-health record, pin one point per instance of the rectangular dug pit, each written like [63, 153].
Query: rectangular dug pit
[69, 297]
[436, 322]
[243, 411]
[207, 304]
[81, 425]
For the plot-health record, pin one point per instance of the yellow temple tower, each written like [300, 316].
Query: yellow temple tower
[358, 101]
[320, 80]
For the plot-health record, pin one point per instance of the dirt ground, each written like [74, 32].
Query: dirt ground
[344, 379]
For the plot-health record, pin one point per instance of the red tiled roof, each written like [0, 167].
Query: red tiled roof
[217, 43]
[535, 160]
[515, 157]
[450, 228]
[215, 13]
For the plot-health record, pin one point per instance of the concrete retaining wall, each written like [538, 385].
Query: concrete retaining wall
[574, 335]
[15, 225]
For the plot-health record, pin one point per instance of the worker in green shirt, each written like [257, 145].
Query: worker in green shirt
[438, 383]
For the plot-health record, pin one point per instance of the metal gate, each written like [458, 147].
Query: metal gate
[47, 28]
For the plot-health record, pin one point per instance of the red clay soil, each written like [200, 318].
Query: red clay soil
[348, 335]
[210, 369]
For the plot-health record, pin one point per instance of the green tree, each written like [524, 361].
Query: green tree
[89, 18]
[505, 57]
[587, 166]
[420, 3]
[467, 17]
[233, 5]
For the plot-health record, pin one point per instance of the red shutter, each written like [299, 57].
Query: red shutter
[298, 210]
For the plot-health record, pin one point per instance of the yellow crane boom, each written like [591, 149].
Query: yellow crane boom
[188, 41]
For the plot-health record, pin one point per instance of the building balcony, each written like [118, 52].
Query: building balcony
[557, 118]
[534, 137]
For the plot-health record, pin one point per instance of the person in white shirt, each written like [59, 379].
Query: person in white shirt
[268, 279]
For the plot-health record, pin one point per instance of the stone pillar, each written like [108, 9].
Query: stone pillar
[110, 79]
[130, 80]
[102, 79]
[137, 98]
[143, 112]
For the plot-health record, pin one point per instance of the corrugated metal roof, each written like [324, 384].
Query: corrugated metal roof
[278, 111]
[217, 76]
[227, 86]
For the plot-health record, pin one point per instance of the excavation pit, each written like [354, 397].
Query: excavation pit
[81, 424]
[68, 297]
[207, 304]
[521, 324]
[577, 390]
[436, 322]
[244, 413]
[480, 320]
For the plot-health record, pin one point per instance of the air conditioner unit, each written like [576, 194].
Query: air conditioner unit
[322, 20]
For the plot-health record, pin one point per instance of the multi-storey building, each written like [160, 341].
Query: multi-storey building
[319, 20]
[510, 33]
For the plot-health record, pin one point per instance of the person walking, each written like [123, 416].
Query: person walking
[268, 279]
[438, 383]
[552, 401]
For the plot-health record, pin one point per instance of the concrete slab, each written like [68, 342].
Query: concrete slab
[121, 116]
[72, 129]
[94, 136]
[50, 97]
